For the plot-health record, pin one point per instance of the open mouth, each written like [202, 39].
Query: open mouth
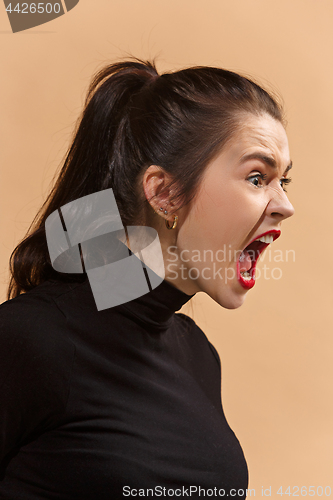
[246, 264]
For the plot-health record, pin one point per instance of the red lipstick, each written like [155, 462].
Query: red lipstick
[253, 250]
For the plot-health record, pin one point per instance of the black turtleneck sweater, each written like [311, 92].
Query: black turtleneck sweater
[111, 404]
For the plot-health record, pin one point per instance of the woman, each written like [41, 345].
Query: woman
[125, 401]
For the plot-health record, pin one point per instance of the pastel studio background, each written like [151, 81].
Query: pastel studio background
[277, 349]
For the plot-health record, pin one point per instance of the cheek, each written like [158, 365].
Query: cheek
[229, 212]
[222, 216]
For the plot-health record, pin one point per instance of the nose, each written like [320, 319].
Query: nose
[279, 205]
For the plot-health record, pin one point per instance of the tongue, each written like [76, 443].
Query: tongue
[245, 262]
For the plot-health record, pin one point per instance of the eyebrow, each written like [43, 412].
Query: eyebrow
[269, 160]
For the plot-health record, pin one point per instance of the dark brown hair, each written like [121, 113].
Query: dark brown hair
[133, 118]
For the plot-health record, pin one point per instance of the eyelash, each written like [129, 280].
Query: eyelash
[257, 176]
[283, 182]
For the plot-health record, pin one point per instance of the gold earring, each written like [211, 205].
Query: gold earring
[175, 221]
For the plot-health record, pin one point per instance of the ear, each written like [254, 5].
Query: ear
[155, 183]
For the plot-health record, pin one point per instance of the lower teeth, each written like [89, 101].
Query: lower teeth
[246, 275]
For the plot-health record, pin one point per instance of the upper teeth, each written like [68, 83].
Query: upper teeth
[268, 238]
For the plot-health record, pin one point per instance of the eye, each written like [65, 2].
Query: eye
[284, 182]
[257, 179]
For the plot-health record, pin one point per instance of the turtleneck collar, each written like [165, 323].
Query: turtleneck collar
[155, 309]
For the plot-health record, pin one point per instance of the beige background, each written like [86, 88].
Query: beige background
[276, 350]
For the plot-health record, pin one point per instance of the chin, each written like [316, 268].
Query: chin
[230, 300]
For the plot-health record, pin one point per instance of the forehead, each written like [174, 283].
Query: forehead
[262, 134]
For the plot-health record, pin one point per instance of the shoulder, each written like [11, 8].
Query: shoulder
[36, 361]
[35, 310]
[33, 330]
[38, 307]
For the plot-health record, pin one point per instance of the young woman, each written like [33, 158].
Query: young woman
[126, 401]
